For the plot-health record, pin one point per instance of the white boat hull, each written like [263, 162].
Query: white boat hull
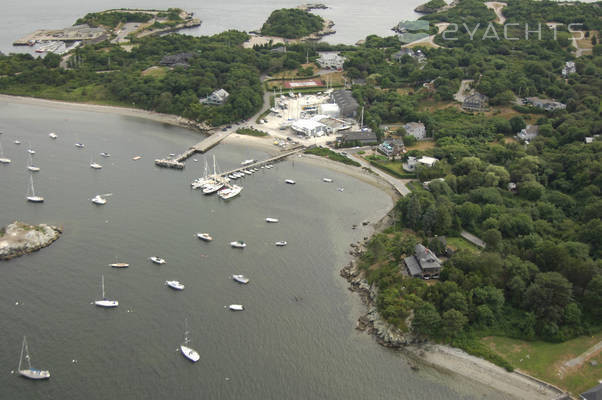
[241, 279]
[204, 236]
[189, 353]
[175, 285]
[238, 245]
[157, 260]
[35, 374]
[106, 303]
[35, 199]
[236, 307]
[5, 161]
[271, 220]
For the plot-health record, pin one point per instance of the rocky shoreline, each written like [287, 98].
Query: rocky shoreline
[18, 239]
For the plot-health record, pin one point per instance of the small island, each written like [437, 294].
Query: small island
[19, 238]
[292, 23]
[431, 7]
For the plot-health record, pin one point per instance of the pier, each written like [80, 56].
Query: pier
[177, 162]
[284, 154]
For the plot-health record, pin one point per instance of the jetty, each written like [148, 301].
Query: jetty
[297, 149]
[177, 162]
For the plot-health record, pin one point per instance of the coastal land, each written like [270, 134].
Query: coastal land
[19, 238]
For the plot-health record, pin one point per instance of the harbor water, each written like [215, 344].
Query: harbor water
[294, 340]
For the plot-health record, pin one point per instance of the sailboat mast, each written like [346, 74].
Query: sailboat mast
[27, 353]
[186, 333]
[21, 356]
[103, 286]
[33, 191]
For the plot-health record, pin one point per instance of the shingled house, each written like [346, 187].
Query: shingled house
[423, 264]
[177, 60]
[475, 102]
[216, 98]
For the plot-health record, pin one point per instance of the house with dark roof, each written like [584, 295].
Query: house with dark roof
[416, 129]
[177, 60]
[475, 102]
[545, 104]
[357, 139]
[594, 393]
[423, 264]
[417, 55]
[347, 104]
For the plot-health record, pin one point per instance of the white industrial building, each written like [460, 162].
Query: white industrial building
[329, 109]
[310, 127]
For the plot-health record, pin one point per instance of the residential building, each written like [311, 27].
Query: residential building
[357, 139]
[423, 264]
[410, 164]
[330, 60]
[416, 129]
[529, 133]
[216, 98]
[475, 102]
[177, 60]
[417, 55]
[347, 104]
[569, 68]
[427, 161]
[391, 147]
[545, 104]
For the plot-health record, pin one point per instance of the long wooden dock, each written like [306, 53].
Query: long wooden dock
[177, 162]
[286, 153]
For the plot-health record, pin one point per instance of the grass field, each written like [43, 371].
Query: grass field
[459, 243]
[545, 360]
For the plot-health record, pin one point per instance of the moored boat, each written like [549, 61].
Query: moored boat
[239, 244]
[212, 187]
[241, 279]
[230, 192]
[119, 265]
[272, 220]
[30, 373]
[157, 260]
[204, 236]
[247, 162]
[31, 197]
[290, 181]
[281, 243]
[79, 145]
[105, 154]
[236, 307]
[94, 165]
[106, 303]
[52, 135]
[328, 180]
[186, 350]
[176, 285]
[98, 199]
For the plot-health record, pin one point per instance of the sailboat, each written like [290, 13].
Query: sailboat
[105, 302]
[30, 373]
[30, 150]
[33, 198]
[100, 199]
[30, 166]
[3, 160]
[187, 351]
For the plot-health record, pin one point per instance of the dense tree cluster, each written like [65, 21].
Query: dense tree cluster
[291, 23]
[111, 19]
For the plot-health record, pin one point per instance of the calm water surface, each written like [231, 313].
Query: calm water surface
[296, 338]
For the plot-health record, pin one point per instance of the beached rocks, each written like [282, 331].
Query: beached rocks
[18, 238]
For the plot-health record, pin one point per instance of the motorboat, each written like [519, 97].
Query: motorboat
[247, 162]
[119, 265]
[53, 135]
[290, 181]
[17, 142]
[328, 180]
[247, 172]
[239, 244]
[236, 307]
[105, 154]
[272, 220]
[241, 279]
[157, 260]
[31, 151]
[229, 192]
[30, 373]
[281, 243]
[79, 145]
[106, 303]
[176, 285]
[231, 176]
[94, 165]
[136, 158]
[186, 350]
[341, 189]
[31, 197]
[204, 236]
[212, 187]
[98, 199]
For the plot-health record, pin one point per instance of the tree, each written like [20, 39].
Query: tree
[409, 140]
[548, 296]
[531, 190]
[452, 323]
[426, 320]
[517, 123]
[493, 238]
[592, 298]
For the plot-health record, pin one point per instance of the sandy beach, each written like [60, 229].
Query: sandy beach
[445, 358]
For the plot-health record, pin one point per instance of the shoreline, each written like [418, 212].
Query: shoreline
[437, 356]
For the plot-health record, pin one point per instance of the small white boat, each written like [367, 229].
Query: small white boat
[119, 265]
[328, 180]
[32, 197]
[290, 181]
[231, 176]
[247, 162]
[136, 158]
[105, 154]
[247, 172]
[212, 187]
[157, 260]
[236, 307]
[175, 285]
[241, 279]
[79, 145]
[341, 189]
[281, 243]
[229, 192]
[30, 373]
[17, 142]
[239, 244]
[32, 167]
[272, 220]
[31, 151]
[204, 236]
[94, 165]
[52, 135]
[187, 351]
[98, 199]
[171, 155]
[3, 160]
[105, 302]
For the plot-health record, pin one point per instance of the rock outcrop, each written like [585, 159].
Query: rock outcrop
[18, 238]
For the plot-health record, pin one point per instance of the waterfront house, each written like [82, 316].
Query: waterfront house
[545, 104]
[177, 60]
[391, 148]
[475, 102]
[423, 264]
[357, 139]
[416, 129]
[529, 133]
[330, 60]
[417, 55]
[347, 104]
[216, 98]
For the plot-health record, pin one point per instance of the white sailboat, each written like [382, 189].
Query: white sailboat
[105, 302]
[30, 150]
[204, 236]
[271, 220]
[32, 196]
[229, 192]
[239, 244]
[186, 350]
[3, 160]
[30, 373]
[32, 167]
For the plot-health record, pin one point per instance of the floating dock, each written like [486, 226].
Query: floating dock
[284, 154]
[177, 162]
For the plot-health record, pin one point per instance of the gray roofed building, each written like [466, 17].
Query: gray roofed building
[424, 263]
[216, 98]
[416, 129]
[406, 51]
[361, 138]
[529, 133]
[176, 60]
[330, 60]
[594, 393]
[347, 104]
[475, 102]
[413, 266]
[391, 147]
[546, 104]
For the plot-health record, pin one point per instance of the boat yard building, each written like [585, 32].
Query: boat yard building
[347, 104]
[357, 139]
[310, 127]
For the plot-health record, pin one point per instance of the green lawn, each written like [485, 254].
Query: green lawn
[459, 243]
[544, 360]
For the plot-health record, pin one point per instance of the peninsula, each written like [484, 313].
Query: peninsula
[19, 238]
